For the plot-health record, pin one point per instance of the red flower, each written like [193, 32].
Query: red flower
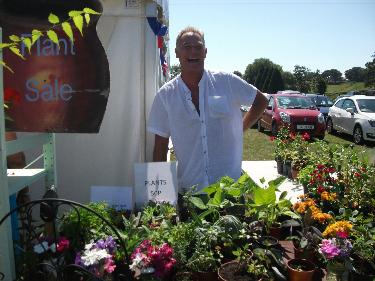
[306, 136]
[320, 166]
[342, 234]
[62, 244]
[272, 138]
[320, 189]
[357, 174]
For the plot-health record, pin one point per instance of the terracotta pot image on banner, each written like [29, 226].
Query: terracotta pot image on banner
[57, 88]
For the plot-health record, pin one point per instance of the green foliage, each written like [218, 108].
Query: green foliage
[82, 224]
[301, 76]
[265, 75]
[332, 76]
[370, 72]
[356, 74]
[175, 70]
[265, 206]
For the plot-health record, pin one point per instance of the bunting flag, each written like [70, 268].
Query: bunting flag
[160, 30]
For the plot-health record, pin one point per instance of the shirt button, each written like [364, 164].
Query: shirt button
[204, 152]
[202, 121]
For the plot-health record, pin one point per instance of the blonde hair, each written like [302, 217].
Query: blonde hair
[192, 30]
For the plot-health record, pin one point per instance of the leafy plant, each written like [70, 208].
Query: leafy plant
[265, 206]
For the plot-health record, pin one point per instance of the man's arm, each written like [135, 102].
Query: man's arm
[160, 149]
[256, 110]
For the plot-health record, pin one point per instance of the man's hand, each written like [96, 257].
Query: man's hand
[160, 149]
[256, 110]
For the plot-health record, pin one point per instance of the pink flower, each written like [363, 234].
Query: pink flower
[62, 244]
[109, 265]
[328, 248]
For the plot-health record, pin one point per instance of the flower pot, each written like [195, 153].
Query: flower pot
[279, 165]
[205, 276]
[275, 230]
[307, 254]
[230, 271]
[60, 89]
[268, 241]
[362, 270]
[300, 270]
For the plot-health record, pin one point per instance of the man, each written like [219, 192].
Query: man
[200, 111]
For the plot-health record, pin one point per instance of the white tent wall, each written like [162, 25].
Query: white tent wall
[107, 158]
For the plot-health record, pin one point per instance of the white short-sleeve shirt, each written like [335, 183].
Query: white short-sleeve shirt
[208, 145]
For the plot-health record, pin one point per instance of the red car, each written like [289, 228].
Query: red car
[296, 111]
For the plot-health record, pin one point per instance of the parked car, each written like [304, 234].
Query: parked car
[298, 112]
[288, 92]
[322, 102]
[353, 115]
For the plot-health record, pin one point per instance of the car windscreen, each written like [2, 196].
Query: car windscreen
[366, 105]
[295, 102]
[323, 101]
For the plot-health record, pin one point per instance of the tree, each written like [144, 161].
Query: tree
[332, 76]
[289, 80]
[370, 72]
[301, 77]
[317, 82]
[265, 75]
[236, 72]
[356, 74]
[175, 70]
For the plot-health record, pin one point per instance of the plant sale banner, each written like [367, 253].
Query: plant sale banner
[61, 88]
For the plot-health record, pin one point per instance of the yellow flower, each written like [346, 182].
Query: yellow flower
[339, 226]
[328, 196]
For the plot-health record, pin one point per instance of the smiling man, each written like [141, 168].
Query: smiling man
[200, 111]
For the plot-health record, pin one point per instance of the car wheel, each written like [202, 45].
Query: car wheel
[260, 129]
[358, 135]
[274, 129]
[330, 128]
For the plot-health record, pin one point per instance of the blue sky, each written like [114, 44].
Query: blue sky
[318, 34]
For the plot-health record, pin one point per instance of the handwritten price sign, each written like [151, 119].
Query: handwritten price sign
[156, 181]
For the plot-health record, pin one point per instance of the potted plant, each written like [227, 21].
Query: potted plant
[300, 270]
[248, 266]
[299, 153]
[363, 257]
[266, 207]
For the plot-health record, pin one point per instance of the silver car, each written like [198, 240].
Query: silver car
[355, 116]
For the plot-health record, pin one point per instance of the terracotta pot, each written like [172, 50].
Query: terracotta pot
[229, 272]
[305, 274]
[58, 89]
[268, 241]
[308, 254]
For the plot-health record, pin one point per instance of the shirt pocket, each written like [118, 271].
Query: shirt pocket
[218, 106]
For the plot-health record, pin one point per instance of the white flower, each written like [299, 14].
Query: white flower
[137, 262]
[94, 256]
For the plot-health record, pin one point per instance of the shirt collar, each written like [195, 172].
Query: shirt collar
[183, 86]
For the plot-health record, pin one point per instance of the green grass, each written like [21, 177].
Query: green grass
[257, 146]
[335, 90]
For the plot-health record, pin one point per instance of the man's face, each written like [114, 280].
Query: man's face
[191, 52]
